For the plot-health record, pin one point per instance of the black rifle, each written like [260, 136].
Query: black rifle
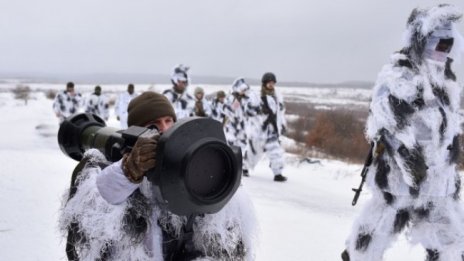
[271, 116]
[364, 171]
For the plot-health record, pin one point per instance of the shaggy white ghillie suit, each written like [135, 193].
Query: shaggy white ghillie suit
[397, 197]
[414, 124]
[438, 229]
[102, 224]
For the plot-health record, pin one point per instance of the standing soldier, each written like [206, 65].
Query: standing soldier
[67, 102]
[182, 102]
[239, 107]
[122, 103]
[98, 104]
[202, 106]
[273, 124]
[414, 128]
[217, 107]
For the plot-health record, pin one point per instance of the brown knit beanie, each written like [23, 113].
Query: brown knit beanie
[147, 107]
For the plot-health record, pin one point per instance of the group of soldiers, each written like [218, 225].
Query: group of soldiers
[69, 102]
[252, 121]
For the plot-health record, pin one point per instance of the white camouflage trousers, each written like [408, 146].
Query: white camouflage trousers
[437, 223]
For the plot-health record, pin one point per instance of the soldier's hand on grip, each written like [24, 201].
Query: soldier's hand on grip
[142, 158]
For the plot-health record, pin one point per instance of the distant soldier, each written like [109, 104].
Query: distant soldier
[202, 106]
[273, 124]
[98, 104]
[122, 103]
[67, 102]
[239, 106]
[182, 102]
[217, 107]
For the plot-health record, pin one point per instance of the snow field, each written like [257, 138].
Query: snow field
[306, 218]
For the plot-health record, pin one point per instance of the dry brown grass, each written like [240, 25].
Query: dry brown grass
[336, 133]
[50, 94]
[340, 134]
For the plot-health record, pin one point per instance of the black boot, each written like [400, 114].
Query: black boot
[345, 256]
[432, 255]
[280, 178]
[245, 173]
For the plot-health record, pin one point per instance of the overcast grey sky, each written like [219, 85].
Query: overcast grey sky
[299, 40]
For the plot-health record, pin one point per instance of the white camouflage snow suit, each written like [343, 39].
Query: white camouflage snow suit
[239, 109]
[414, 126]
[99, 105]
[272, 124]
[66, 105]
[183, 103]
[217, 110]
[121, 107]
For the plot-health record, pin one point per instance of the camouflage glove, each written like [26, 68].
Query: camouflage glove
[142, 158]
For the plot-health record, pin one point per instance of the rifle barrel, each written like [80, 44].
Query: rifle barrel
[367, 163]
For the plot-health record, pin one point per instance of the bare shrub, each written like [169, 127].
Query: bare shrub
[22, 92]
[338, 133]
[50, 94]
[335, 133]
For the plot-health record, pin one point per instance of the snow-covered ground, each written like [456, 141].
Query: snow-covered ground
[306, 218]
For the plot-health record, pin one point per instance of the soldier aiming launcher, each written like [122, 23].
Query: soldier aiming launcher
[196, 171]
